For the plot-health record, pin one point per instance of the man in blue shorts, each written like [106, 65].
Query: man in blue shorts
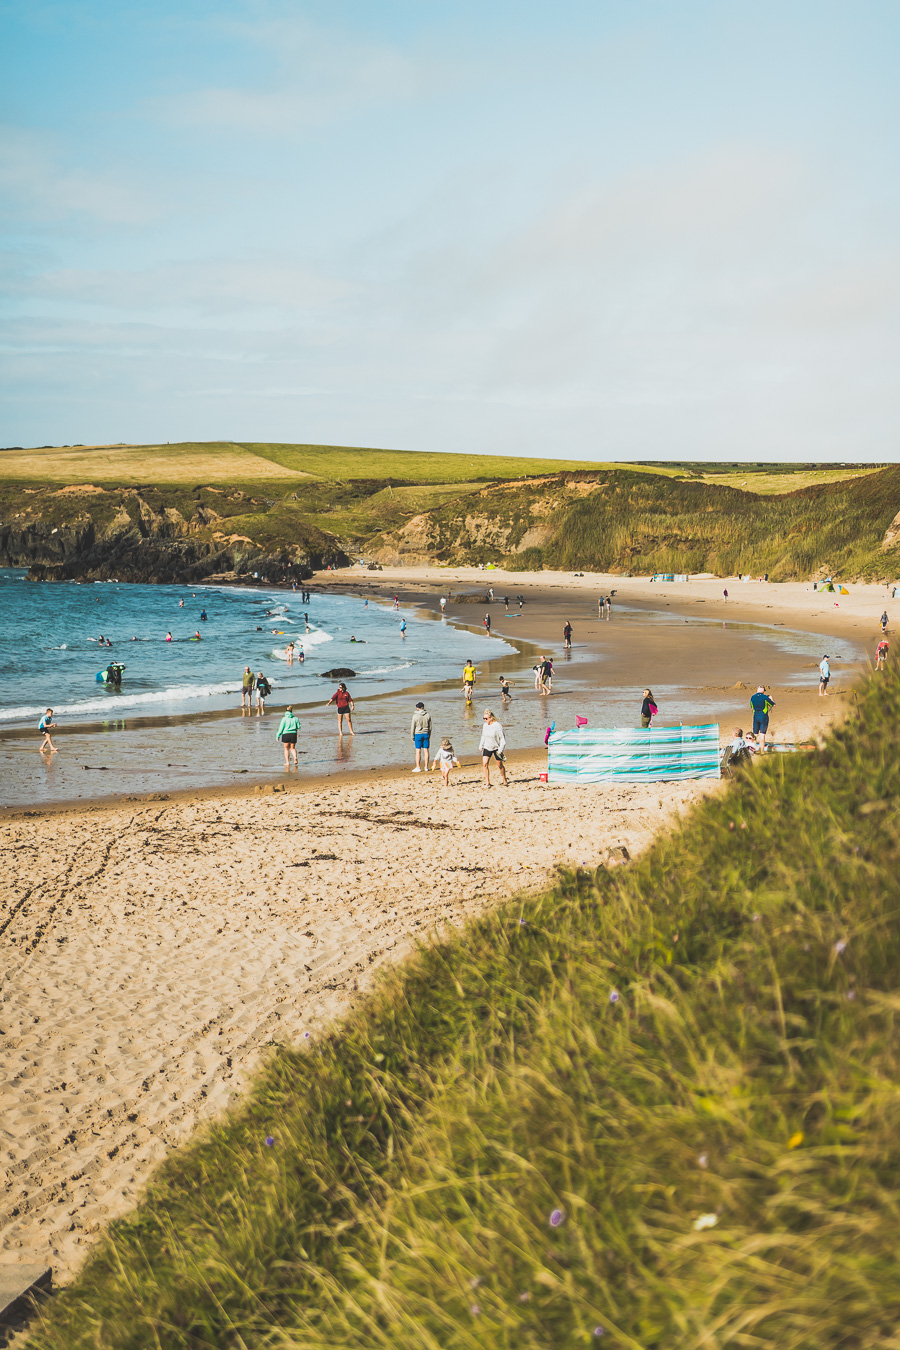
[420, 730]
[761, 703]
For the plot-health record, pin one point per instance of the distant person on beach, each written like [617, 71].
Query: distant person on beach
[420, 731]
[469, 680]
[263, 690]
[537, 674]
[445, 760]
[739, 750]
[45, 726]
[884, 622]
[443, 603]
[403, 628]
[600, 603]
[824, 676]
[546, 674]
[344, 704]
[881, 652]
[567, 635]
[760, 702]
[725, 595]
[608, 604]
[487, 624]
[648, 709]
[287, 734]
[289, 653]
[248, 683]
[492, 746]
[520, 601]
[504, 689]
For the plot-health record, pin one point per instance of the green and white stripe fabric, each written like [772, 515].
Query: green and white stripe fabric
[659, 754]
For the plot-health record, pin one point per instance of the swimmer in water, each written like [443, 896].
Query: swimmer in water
[197, 637]
[289, 653]
[168, 637]
[181, 604]
[204, 615]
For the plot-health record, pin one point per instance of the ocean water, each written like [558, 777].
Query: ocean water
[50, 653]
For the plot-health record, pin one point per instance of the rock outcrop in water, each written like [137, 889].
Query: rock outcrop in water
[87, 533]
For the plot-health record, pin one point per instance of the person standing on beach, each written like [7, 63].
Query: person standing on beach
[600, 604]
[608, 603]
[567, 635]
[263, 690]
[445, 760]
[344, 703]
[881, 652]
[443, 603]
[884, 622]
[648, 709]
[247, 686]
[403, 628]
[504, 690]
[487, 624]
[824, 676]
[287, 734]
[546, 673]
[45, 726]
[760, 702]
[289, 653]
[537, 674]
[725, 595]
[492, 746]
[469, 680]
[420, 730]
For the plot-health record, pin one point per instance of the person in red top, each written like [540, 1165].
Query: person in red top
[881, 652]
[341, 697]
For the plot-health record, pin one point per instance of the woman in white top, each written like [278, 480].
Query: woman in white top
[492, 746]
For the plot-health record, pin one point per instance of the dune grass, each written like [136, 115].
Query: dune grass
[655, 1107]
[774, 483]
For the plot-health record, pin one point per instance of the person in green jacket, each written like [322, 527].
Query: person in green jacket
[287, 734]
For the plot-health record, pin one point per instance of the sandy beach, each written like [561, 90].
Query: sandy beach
[155, 949]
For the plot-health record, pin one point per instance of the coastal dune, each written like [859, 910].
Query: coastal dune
[153, 954]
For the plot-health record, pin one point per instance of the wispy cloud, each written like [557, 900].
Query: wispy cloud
[35, 184]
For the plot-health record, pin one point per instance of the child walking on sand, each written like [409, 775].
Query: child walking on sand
[445, 760]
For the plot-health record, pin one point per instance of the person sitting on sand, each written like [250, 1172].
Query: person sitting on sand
[287, 734]
[739, 751]
[341, 698]
[45, 726]
[492, 746]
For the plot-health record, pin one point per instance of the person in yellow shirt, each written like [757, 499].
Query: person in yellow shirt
[469, 681]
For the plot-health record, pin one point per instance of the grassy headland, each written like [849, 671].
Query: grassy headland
[654, 1107]
[251, 506]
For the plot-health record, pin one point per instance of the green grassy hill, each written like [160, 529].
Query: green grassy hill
[320, 503]
[656, 1107]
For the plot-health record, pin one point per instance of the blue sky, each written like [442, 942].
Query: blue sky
[596, 230]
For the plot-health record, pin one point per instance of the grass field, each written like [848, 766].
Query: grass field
[654, 1108]
[228, 462]
[771, 484]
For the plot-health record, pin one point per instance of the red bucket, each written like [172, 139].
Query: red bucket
[543, 778]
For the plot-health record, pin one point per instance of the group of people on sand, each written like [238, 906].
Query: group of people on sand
[492, 747]
[256, 684]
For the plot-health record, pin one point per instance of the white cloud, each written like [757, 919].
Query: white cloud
[37, 186]
[313, 78]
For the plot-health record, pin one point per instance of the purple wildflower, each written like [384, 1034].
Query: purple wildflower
[306, 1035]
[475, 1310]
[599, 1331]
[525, 1297]
[557, 1218]
[614, 996]
[522, 921]
[840, 947]
[269, 1141]
[475, 1282]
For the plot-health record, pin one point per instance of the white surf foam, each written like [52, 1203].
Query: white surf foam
[114, 704]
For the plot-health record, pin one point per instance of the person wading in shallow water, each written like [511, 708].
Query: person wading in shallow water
[344, 703]
[287, 734]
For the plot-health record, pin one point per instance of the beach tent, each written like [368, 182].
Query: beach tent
[657, 755]
[843, 590]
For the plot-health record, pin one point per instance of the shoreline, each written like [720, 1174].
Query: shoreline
[225, 752]
[159, 947]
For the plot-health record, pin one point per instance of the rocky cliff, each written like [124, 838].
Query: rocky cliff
[88, 533]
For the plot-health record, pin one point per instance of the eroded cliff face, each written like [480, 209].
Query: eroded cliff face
[87, 533]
